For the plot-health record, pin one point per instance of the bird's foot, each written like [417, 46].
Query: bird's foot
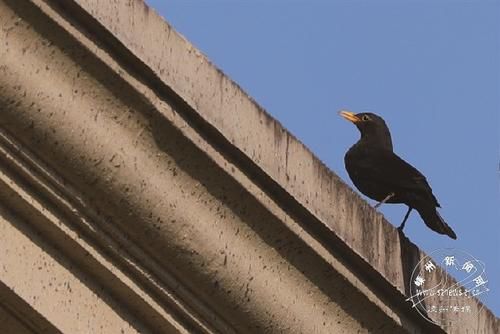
[402, 226]
[401, 234]
[388, 197]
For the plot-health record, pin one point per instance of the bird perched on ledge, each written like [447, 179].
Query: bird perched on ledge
[383, 176]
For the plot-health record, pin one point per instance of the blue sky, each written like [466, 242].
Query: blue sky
[431, 69]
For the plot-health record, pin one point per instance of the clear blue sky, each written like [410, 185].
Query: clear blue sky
[430, 68]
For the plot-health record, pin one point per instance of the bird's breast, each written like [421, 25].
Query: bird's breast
[363, 173]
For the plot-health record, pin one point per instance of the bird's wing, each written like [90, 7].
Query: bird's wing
[385, 166]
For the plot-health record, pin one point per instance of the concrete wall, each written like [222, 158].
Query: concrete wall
[142, 191]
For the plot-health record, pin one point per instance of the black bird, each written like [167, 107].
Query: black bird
[383, 176]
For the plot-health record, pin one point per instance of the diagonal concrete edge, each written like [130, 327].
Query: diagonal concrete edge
[224, 105]
[336, 219]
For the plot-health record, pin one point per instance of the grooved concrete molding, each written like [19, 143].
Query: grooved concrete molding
[142, 191]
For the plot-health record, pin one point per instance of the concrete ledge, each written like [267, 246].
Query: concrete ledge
[157, 178]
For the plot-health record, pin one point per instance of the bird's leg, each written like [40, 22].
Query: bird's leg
[388, 197]
[402, 226]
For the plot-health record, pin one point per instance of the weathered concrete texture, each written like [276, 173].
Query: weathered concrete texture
[38, 278]
[143, 191]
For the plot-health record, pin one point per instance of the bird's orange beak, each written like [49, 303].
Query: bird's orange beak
[350, 116]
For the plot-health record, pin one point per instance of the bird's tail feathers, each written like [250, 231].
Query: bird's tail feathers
[435, 222]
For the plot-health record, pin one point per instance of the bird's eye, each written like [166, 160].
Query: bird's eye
[365, 118]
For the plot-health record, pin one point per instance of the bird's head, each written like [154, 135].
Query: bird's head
[372, 128]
